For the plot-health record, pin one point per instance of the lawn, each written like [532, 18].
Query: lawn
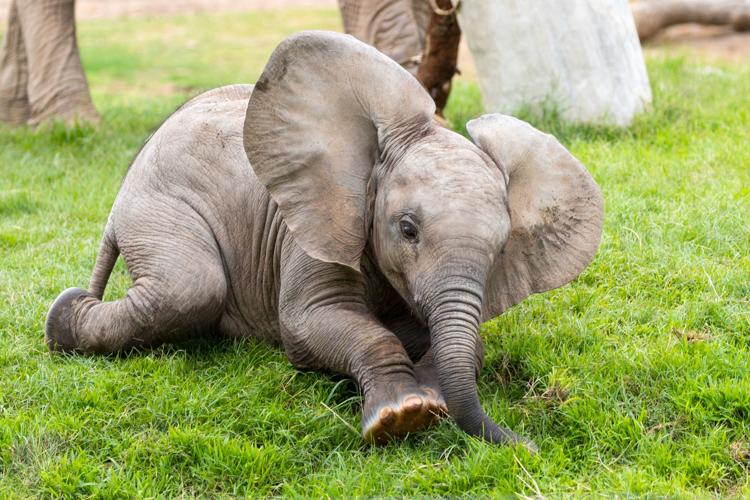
[633, 379]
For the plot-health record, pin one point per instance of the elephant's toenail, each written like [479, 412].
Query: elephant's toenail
[386, 416]
[412, 404]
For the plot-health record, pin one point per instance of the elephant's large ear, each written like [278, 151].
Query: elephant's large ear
[555, 206]
[327, 108]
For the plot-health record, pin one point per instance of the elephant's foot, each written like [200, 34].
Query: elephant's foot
[60, 333]
[386, 418]
[70, 110]
[14, 112]
[69, 117]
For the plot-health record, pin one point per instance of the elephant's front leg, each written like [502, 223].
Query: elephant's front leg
[326, 325]
[346, 340]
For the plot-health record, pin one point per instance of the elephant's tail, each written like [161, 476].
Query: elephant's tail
[105, 261]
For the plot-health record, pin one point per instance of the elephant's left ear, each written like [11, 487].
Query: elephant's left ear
[555, 207]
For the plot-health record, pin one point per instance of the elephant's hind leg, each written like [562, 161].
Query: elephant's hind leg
[178, 290]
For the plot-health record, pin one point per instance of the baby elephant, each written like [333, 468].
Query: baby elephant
[325, 211]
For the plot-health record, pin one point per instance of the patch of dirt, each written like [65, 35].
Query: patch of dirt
[692, 335]
[740, 452]
[670, 427]
[552, 397]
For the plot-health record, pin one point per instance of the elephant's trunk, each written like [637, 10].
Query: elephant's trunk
[454, 324]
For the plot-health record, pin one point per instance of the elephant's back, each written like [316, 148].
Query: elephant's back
[200, 142]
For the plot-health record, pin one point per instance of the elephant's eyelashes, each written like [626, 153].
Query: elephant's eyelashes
[408, 230]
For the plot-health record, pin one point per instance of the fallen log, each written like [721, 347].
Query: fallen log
[652, 17]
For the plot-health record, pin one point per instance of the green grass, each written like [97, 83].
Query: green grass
[634, 379]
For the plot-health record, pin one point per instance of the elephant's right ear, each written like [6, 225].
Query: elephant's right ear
[326, 108]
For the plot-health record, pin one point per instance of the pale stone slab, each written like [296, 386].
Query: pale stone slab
[581, 56]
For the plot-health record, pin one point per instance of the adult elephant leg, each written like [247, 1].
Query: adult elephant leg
[326, 325]
[14, 73]
[439, 59]
[391, 26]
[179, 290]
[57, 86]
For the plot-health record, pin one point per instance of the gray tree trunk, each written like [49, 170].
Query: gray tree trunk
[41, 76]
[581, 57]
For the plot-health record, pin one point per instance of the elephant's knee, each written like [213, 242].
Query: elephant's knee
[297, 350]
[159, 307]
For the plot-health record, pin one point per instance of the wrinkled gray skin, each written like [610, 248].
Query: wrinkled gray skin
[364, 239]
[394, 27]
[41, 76]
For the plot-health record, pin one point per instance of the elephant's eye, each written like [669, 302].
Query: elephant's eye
[408, 230]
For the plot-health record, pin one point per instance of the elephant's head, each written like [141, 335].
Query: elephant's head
[345, 142]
